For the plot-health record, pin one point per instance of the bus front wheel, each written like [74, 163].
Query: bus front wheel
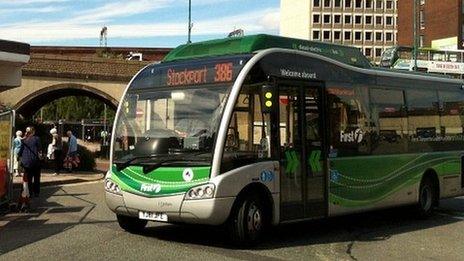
[131, 224]
[248, 221]
[427, 196]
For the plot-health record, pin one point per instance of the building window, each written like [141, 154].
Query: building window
[368, 3]
[337, 35]
[347, 3]
[378, 36]
[378, 52]
[358, 36]
[338, 3]
[358, 4]
[317, 3]
[389, 20]
[326, 19]
[337, 19]
[358, 19]
[422, 19]
[347, 19]
[389, 4]
[326, 35]
[368, 19]
[347, 36]
[378, 20]
[368, 52]
[368, 36]
[389, 37]
[316, 19]
[316, 35]
[421, 40]
[326, 3]
[379, 4]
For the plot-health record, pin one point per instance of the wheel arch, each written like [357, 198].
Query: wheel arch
[432, 175]
[262, 191]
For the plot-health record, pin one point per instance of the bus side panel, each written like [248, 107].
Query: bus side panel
[231, 183]
[449, 174]
[372, 182]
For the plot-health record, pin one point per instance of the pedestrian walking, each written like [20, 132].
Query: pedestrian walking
[16, 147]
[71, 156]
[31, 155]
[57, 145]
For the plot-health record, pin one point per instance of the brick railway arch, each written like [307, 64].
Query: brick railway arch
[32, 103]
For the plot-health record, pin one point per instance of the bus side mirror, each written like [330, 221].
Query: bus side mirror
[268, 98]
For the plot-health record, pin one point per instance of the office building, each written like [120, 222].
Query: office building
[370, 25]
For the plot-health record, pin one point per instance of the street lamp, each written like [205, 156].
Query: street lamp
[190, 25]
[415, 34]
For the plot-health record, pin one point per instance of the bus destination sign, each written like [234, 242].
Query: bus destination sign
[184, 74]
[218, 73]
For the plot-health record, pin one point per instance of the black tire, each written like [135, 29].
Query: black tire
[247, 222]
[131, 224]
[427, 198]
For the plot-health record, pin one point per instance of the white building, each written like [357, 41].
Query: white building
[370, 25]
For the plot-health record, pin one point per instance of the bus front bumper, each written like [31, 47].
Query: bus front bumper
[213, 211]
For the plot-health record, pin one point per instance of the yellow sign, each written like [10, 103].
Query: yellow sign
[450, 43]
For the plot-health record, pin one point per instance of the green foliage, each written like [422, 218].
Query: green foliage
[75, 108]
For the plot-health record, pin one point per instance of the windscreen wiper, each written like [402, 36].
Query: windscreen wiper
[122, 165]
[147, 168]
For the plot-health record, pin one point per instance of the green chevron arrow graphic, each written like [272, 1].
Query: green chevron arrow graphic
[292, 162]
[315, 161]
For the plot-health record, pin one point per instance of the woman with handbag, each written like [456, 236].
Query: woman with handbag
[31, 155]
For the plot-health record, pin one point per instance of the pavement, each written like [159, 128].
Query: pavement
[72, 222]
[48, 178]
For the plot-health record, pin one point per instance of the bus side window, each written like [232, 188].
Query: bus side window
[451, 108]
[389, 120]
[248, 132]
[423, 120]
[349, 122]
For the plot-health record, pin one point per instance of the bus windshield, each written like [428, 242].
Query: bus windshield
[173, 123]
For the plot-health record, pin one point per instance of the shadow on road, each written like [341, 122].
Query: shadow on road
[22, 229]
[371, 226]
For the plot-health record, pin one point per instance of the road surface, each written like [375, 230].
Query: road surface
[72, 223]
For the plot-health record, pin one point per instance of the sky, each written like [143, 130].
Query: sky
[137, 23]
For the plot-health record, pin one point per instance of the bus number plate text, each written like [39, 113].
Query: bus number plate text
[155, 216]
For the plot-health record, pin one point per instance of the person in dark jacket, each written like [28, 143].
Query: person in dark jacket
[30, 159]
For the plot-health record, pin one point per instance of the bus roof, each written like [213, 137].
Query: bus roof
[250, 44]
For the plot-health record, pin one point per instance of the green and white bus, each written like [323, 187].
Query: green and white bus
[445, 62]
[262, 130]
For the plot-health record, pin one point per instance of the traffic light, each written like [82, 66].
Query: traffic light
[268, 98]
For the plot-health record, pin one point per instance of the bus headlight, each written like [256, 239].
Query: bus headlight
[201, 192]
[112, 187]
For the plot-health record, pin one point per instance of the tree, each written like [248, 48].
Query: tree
[75, 108]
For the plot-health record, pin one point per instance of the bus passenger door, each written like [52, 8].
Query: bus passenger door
[301, 152]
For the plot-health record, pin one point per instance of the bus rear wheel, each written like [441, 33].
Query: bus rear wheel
[131, 224]
[427, 198]
[248, 221]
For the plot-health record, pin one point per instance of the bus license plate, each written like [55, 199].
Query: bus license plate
[155, 216]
